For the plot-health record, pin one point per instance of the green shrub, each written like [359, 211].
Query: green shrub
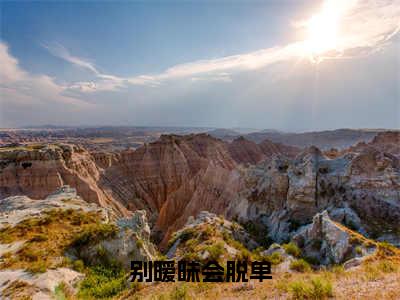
[208, 232]
[321, 288]
[180, 292]
[292, 249]
[387, 266]
[78, 265]
[39, 237]
[139, 243]
[311, 260]
[215, 250]
[95, 233]
[61, 292]
[300, 265]
[37, 267]
[102, 282]
[386, 249]
[318, 288]
[275, 258]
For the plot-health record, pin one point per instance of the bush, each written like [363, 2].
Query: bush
[317, 288]
[292, 249]
[39, 238]
[300, 265]
[275, 258]
[215, 250]
[321, 288]
[311, 260]
[386, 249]
[139, 243]
[95, 233]
[102, 282]
[387, 266]
[61, 292]
[179, 293]
[37, 267]
[78, 265]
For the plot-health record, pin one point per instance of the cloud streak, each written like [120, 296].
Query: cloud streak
[366, 27]
[18, 87]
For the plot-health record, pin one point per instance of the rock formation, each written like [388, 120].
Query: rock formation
[37, 172]
[130, 241]
[329, 242]
[360, 188]
[176, 177]
[209, 237]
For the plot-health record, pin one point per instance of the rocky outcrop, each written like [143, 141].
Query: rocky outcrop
[361, 188]
[329, 242]
[38, 171]
[132, 242]
[388, 141]
[179, 176]
[93, 234]
[15, 209]
[19, 284]
[210, 237]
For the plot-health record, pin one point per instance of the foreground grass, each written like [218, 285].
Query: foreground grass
[47, 238]
[377, 278]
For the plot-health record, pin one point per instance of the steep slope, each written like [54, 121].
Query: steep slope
[37, 172]
[360, 189]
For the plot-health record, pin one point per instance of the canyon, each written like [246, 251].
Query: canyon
[273, 185]
[194, 197]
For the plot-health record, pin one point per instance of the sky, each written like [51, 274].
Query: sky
[288, 65]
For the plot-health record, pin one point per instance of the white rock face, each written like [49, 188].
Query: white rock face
[237, 232]
[132, 242]
[326, 240]
[18, 208]
[42, 285]
[356, 188]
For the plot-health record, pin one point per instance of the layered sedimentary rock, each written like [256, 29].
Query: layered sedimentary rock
[37, 172]
[388, 141]
[104, 238]
[171, 178]
[176, 177]
[329, 242]
[360, 188]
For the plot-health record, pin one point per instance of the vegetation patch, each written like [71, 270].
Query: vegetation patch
[18, 290]
[316, 288]
[292, 249]
[103, 282]
[48, 236]
[300, 265]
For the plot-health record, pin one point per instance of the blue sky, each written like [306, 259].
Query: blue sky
[201, 63]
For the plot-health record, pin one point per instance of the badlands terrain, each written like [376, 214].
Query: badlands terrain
[77, 205]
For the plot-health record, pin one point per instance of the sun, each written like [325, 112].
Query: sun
[323, 28]
[322, 33]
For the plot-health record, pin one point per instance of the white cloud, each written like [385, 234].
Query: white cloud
[60, 51]
[365, 27]
[18, 87]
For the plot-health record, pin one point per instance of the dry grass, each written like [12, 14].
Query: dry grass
[334, 282]
[47, 237]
